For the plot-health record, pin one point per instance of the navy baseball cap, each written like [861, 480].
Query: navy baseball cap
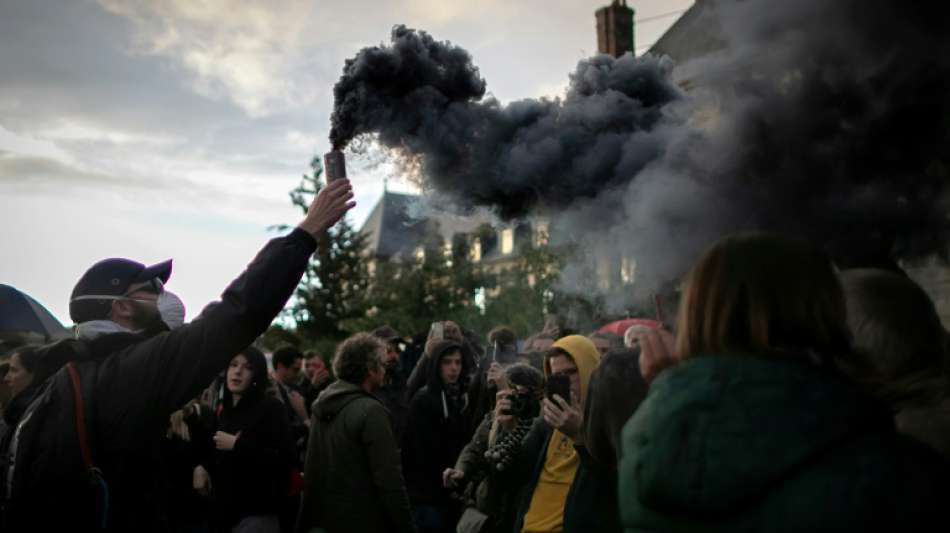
[104, 281]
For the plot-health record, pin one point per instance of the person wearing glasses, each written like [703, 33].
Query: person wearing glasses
[90, 439]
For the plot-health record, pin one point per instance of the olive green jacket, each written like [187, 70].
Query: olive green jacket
[353, 480]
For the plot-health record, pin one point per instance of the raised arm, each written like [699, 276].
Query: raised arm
[167, 370]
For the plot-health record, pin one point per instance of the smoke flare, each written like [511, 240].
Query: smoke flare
[828, 120]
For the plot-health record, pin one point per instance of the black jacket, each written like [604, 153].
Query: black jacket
[130, 385]
[436, 432]
[522, 477]
[252, 479]
[395, 397]
[592, 499]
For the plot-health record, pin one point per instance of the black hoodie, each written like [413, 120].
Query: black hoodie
[437, 430]
[252, 478]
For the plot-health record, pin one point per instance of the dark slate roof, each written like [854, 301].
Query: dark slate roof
[693, 35]
[390, 227]
[398, 224]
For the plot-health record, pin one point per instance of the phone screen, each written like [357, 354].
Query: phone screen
[560, 385]
[438, 332]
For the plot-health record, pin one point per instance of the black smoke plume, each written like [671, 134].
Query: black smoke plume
[825, 119]
[425, 99]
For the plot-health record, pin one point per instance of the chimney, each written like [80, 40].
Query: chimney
[615, 29]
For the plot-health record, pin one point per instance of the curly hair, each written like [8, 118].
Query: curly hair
[356, 356]
[524, 375]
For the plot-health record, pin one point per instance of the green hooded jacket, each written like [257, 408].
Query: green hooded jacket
[352, 477]
[730, 443]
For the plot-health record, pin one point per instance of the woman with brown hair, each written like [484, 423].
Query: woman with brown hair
[753, 428]
[24, 376]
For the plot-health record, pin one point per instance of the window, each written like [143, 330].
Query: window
[507, 241]
[628, 270]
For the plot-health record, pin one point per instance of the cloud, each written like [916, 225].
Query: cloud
[246, 52]
[24, 172]
[188, 122]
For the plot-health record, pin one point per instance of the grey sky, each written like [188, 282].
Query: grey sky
[156, 129]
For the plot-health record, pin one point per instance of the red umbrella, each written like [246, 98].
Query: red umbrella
[619, 327]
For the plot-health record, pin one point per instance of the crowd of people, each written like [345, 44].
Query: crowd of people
[791, 397]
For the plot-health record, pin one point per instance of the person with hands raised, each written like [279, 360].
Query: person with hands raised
[548, 459]
[657, 351]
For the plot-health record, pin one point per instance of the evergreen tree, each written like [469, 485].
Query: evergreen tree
[411, 294]
[331, 295]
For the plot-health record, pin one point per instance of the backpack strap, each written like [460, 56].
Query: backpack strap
[95, 475]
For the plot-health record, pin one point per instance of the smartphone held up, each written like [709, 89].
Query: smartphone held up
[560, 385]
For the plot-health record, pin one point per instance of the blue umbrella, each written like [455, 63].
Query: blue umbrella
[20, 313]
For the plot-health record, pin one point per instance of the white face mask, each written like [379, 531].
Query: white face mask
[172, 309]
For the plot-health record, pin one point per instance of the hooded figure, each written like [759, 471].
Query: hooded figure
[436, 432]
[353, 481]
[545, 466]
[250, 477]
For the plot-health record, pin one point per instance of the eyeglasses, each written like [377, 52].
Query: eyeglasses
[153, 285]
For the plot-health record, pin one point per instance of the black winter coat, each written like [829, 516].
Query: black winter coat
[252, 479]
[130, 385]
[394, 394]
[592, 499]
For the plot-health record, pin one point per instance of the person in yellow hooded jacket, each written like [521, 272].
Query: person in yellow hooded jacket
[545, 463]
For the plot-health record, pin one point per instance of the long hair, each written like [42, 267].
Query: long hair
[259, 382]
[615, 391]
[762, 294]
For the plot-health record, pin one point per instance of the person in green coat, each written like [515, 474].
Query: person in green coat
[750, 426]
[352, 478]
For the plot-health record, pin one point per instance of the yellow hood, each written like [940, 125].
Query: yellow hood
[585, 356]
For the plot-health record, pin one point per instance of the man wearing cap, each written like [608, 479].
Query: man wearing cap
[394, 392]
[88, 442]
